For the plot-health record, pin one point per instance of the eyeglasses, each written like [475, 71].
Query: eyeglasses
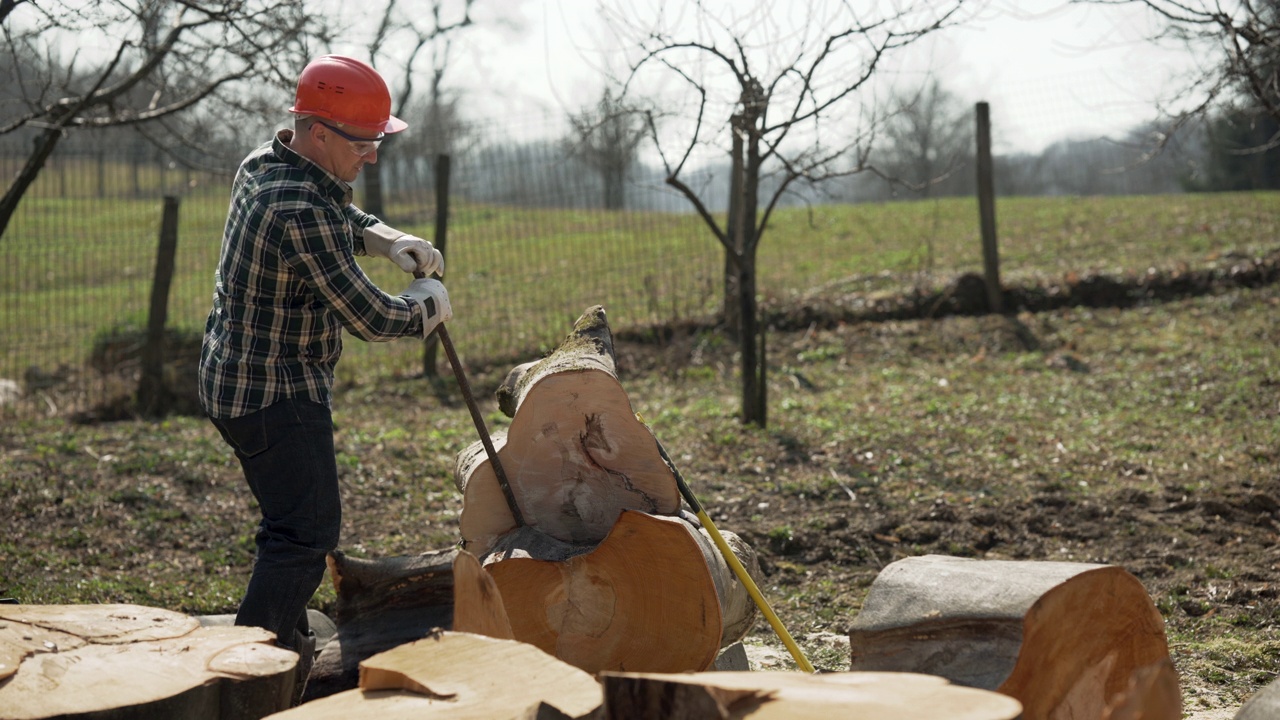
[359, 145]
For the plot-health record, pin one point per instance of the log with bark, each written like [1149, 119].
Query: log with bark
[1264, 705]
[118, 662]
[1066, 639]
[605, 573]
[380, 603]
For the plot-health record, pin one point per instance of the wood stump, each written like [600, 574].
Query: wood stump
[604, 574]
[1065, 639]
[798, 696]
[117, 662]
[456, 676]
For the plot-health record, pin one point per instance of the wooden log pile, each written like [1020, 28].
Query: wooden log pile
[454, 675]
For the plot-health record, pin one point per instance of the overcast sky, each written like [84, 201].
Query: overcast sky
[1050, 70]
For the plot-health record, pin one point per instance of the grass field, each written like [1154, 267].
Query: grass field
[75, 269]
[1147, 437]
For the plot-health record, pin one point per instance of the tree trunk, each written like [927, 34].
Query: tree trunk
[455, 676]
[797, 696]
[604, 576]
[111, 662]
[1062, 638]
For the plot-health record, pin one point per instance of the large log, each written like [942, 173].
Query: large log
[798, 696]
[604, 574]
[459, 676]
[1065, 639]
[642, 599]
[127, 662]
[575, 454]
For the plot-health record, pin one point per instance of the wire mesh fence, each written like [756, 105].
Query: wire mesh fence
[529, 247]
[534, 237]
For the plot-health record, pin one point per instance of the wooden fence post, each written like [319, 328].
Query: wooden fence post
[152, 393]
[987, 211]
[443, 171]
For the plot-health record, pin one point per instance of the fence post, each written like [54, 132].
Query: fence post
[987, 211]
[443, 170]
[151, 390]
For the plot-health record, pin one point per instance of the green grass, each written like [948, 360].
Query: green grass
[76, 268]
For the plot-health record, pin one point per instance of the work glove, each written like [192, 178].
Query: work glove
[431, 296]
[411, 253]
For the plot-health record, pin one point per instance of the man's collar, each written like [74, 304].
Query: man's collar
[334, 186]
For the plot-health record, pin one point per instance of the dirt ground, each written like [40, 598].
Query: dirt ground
[100, 510]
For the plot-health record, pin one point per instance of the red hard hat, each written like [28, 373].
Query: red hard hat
[348, 91]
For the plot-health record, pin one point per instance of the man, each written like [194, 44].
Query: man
[287, 284]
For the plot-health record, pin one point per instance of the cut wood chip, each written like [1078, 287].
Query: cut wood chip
[455, 676]
[798, 696]
[137, 662]
[1063, 638]
[477, 602]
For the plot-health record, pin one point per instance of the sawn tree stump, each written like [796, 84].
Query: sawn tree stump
[1065, 639]
[456, 676]
[605, 574]
[128, 662]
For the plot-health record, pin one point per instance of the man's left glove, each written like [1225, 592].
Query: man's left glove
[434, 300]
[411, 253]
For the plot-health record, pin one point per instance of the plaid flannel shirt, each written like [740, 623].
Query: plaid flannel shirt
[286, 285]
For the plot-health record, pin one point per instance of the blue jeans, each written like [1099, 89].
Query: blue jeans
[286, 452]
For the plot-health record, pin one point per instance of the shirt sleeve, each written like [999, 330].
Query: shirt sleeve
[315, 248]
[359, 220]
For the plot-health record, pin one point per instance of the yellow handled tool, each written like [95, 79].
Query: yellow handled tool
[733, 561]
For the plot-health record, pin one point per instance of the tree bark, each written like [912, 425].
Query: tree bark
[110, 662]
[380, 604]
[1059, 637]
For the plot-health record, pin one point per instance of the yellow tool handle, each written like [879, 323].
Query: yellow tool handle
[753, 590]
[727, 553]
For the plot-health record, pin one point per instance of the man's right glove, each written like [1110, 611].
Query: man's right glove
[431, 296]
[411, 253]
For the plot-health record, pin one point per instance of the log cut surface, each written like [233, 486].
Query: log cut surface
[798, 696]
[457, 676]
[575, 454]
[98, 660]
[643, 600]
[1063, 638]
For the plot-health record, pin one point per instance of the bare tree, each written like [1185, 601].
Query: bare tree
[795, 71]
[606, 138]
[1246, 33]
[404, 39]
[168, 58]
[929, 136]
